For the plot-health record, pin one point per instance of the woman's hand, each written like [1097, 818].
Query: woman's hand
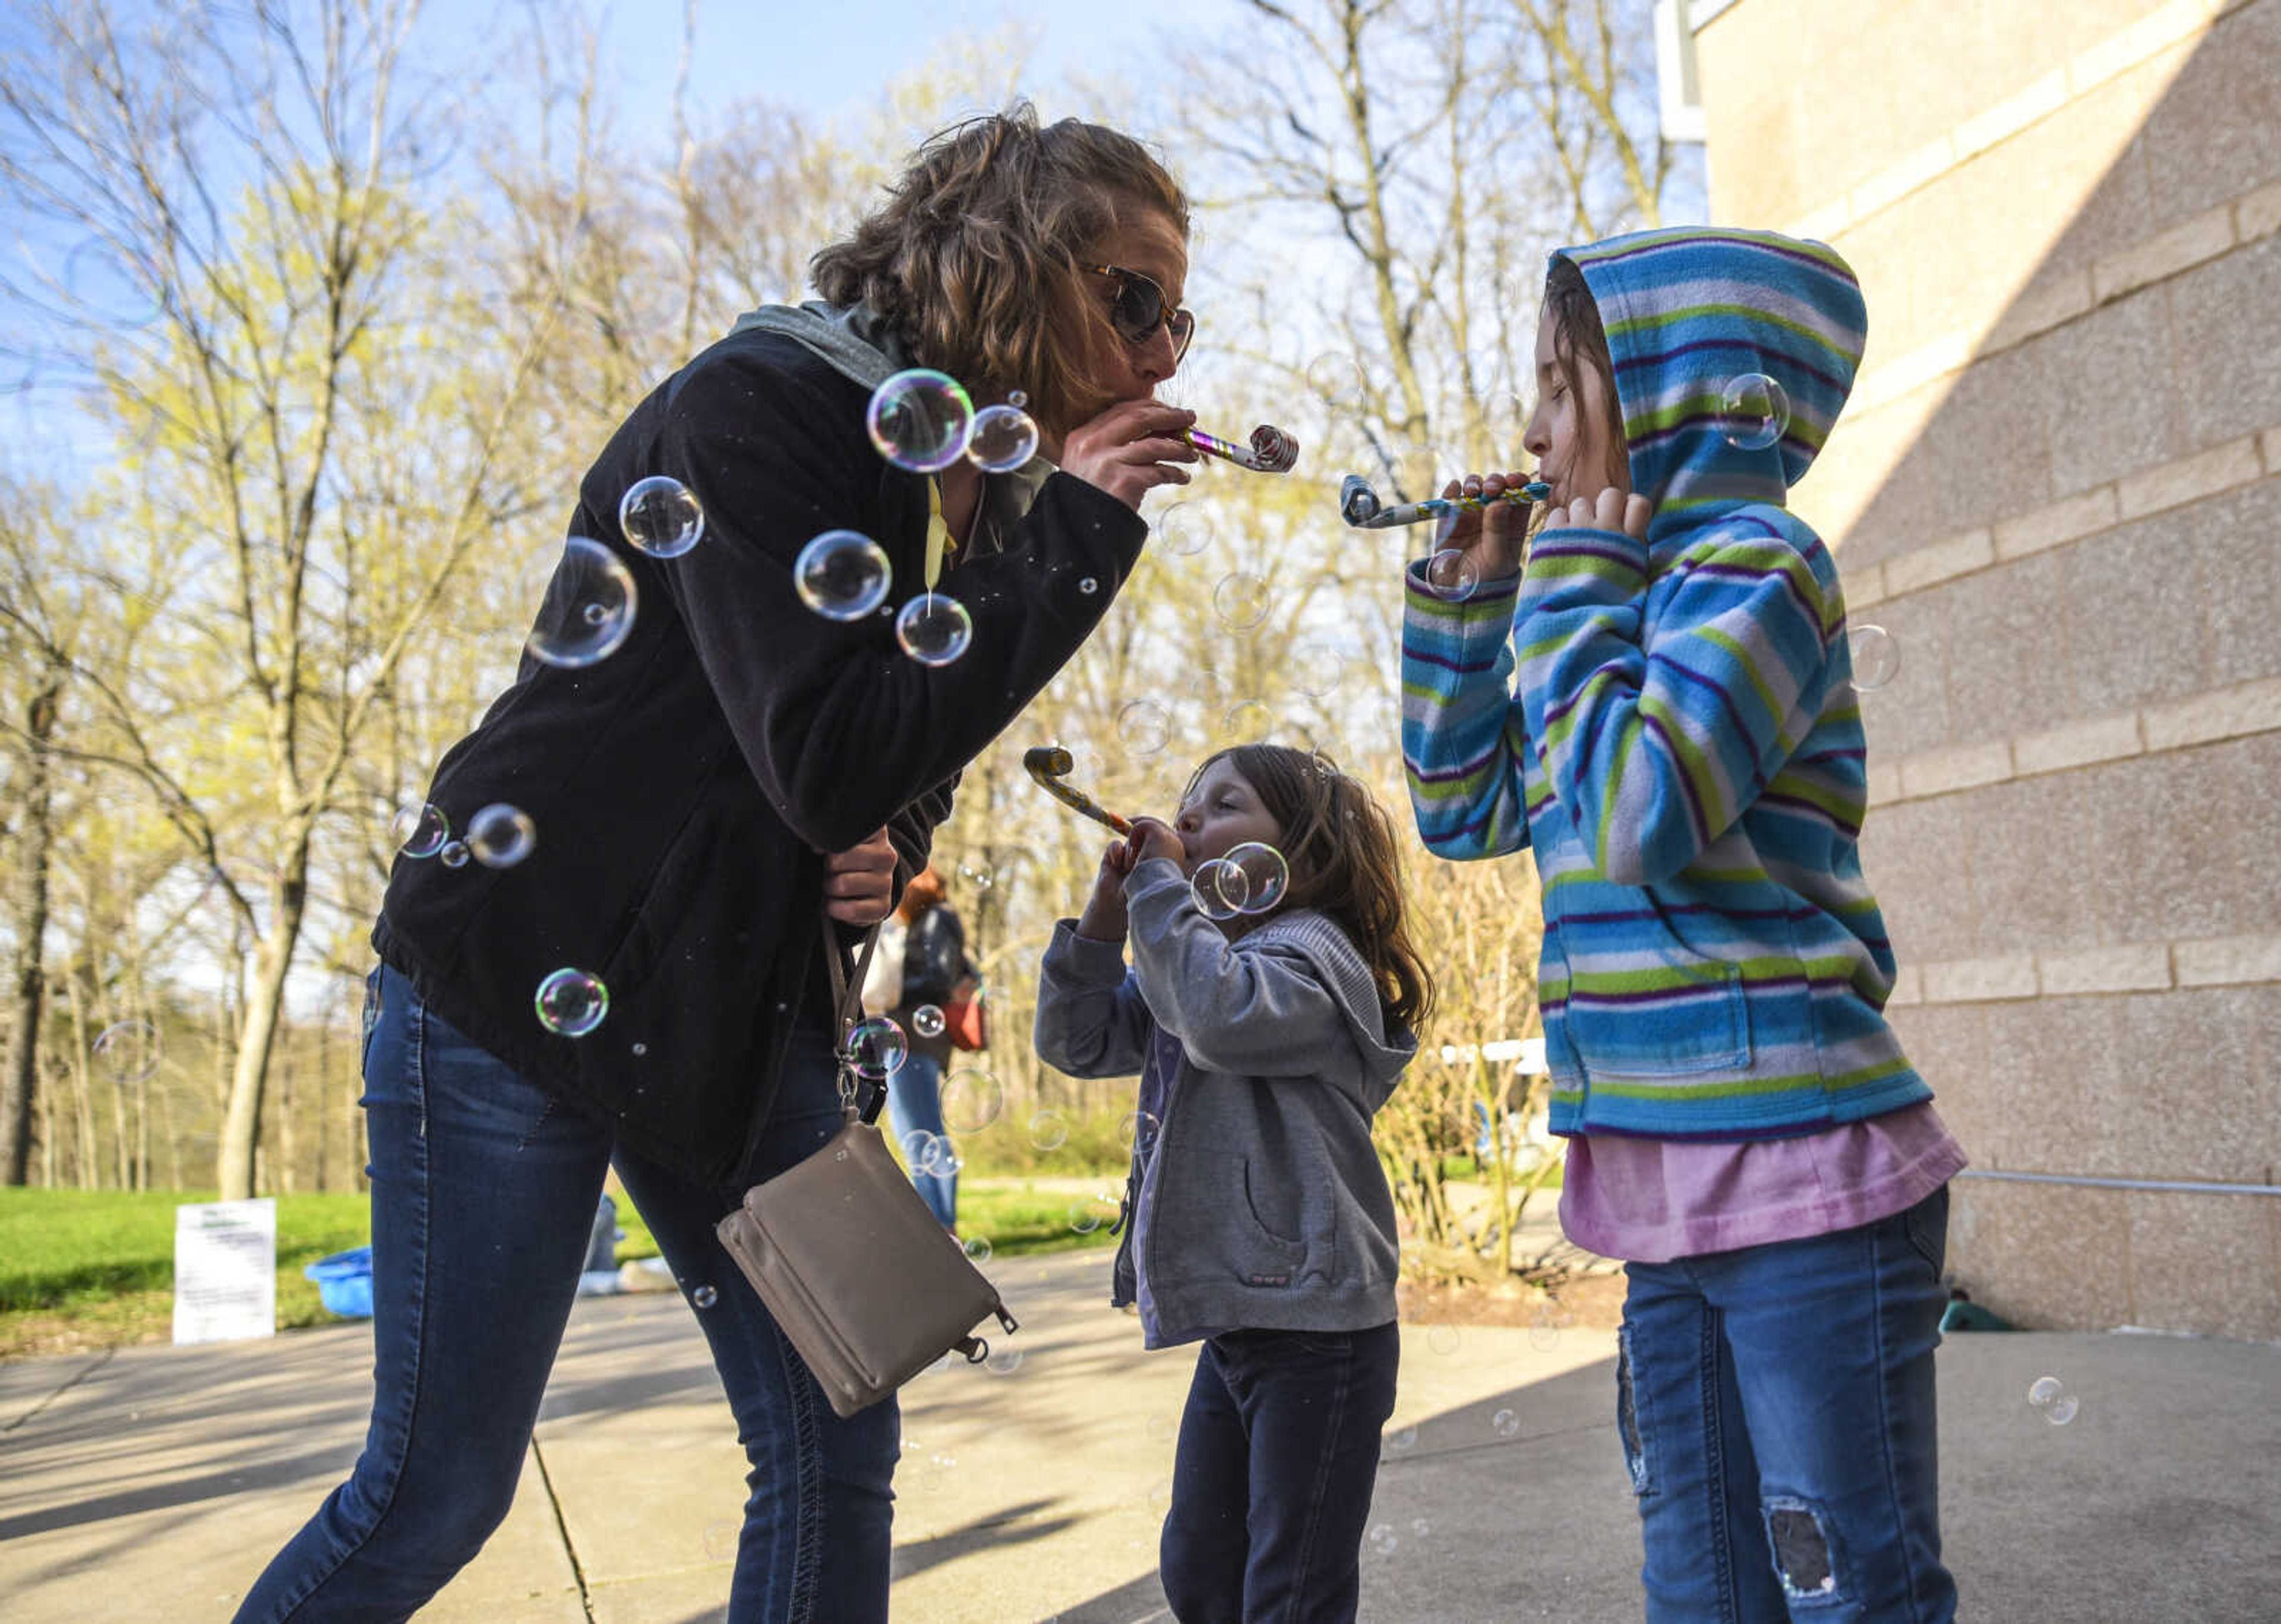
[1490, 536]
[859, 885]
[1130, 449]
[1103, 919]
[1615, 510]
[1153, 837]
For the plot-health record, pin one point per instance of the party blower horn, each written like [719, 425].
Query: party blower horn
[1048, 764]
[1271, 450]
[1359, 504]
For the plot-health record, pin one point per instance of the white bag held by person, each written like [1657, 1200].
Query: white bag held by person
[882, 983]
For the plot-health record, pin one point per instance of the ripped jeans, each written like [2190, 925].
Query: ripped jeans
[1775, 1406]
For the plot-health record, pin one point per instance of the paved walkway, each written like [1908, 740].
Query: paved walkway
[154, 1482]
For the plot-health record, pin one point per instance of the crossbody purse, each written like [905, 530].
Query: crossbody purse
[866, 1286]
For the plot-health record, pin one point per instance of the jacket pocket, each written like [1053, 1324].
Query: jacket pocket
[1218, 1231]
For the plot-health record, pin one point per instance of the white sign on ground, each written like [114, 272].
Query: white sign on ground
[225, 1271]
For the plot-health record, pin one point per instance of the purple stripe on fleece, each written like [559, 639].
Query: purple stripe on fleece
[1580, 550]
[1695, 810]
[1460, 669]
[1807, 809]
[1635, 1001]
[1743, 572]
[1661, 356]
[1462, 769]
[1695, 420]
[1726, 703]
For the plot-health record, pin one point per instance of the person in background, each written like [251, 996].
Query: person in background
[934, 963]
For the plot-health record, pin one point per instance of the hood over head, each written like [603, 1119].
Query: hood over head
[1690, 310]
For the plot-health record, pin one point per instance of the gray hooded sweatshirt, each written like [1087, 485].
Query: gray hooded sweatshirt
[1262, 1204]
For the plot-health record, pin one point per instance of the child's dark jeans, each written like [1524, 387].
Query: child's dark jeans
[1270, 1491]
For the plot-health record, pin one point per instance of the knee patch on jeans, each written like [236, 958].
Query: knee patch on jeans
[1804, 1560]
[1627, 1422]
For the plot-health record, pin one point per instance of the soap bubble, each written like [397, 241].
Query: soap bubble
[1505, 1424]
[1137, 1132]
[1210, 885]
[1084, 1217]
[419, 830]
[1442, 1339]
[2049, 1394]
[1452, 575]
[1543, 1330]
[1317, 669]
[1004, 1363]
[942, 1157]
[875, 1047]
[1420, 1527]
[571, 1003]
[842, 574]
[1335, 375]
[1246, 721]
[1383, 1540]
[501, 836]
[1184, 529]
[934, 629]
[721, 1542]
[588, 610]
[1048, 1131]
[128, 1051]
[705, 1296]
[1088, 587]
[1004, 439]
[1876, 655]
[1254, 876]
[918, 1145]
[971, 1101]
[660, 516]
[977, 1248]
[927, 1021]
[920, 420]
[1753, 410]
[1401, 1441]
[1143, 727]
[1240, 600]
[454, 855]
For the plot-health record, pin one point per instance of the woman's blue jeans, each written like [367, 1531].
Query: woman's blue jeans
[1776, 1410]
[483, 1189]
[914, 1105]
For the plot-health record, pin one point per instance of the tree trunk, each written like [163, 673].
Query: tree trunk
[264, 1001]
[20, 1082]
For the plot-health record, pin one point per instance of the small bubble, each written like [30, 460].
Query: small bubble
[1241, 600]
[1877, 656]
[977, 1248]
[1137, 1132]
[1442, 1339]
[1088, 586]
[501, 836]
[1017, 398]
[1401, 1441]
[571, 1002]
[1452, 575]
[660, 516]
[1183, 529]
[1505, 1424]
[419, 830]
[1246, 721]
[1383, 1540]
[1254, 876]
[1005, 1362]
[454, 855]
[842, 574]
[1143, 727]
[640, 1049]
[1753, 410]
[1420, 1527]
[1048, 1131]
[927, 1021]
[721, 1542]
[971, 1100]
[1219, 889]
[1004, 439]
[877, 1046]
[595, 614]
[705, 1296]
[934, 629]
[128, 1051]
[1083, 1217]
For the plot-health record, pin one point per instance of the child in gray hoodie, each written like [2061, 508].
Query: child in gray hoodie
[1261, 1224]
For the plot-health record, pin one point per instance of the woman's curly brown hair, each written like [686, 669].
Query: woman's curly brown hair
[973, 259]
[1344, 861]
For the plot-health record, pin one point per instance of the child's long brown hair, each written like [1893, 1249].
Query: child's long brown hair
[1339, 844]
[1580, 342]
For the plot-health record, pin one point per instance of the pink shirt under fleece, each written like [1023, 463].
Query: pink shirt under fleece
[1652, 1200]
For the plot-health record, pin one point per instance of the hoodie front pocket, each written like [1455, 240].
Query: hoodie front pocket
[1217, 1231]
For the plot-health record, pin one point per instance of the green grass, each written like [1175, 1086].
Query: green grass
[96, 1268]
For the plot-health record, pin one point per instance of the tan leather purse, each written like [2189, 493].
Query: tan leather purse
[868, 1286]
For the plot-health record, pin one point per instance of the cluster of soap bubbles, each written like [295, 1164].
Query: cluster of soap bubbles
[2050, 1394]
[1251, 878]
[921, 421]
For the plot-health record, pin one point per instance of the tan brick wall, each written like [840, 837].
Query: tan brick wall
[2059, 485]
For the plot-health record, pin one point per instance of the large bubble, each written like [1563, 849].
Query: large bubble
[501, 836]
[920, 420]
[588, 607]
[934, 629]
[1753, 410]
[572, 1003]
[1005, 437]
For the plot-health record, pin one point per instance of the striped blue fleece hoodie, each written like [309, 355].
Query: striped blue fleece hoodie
[1672, 725]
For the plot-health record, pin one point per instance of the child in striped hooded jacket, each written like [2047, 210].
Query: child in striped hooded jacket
[1660, 705]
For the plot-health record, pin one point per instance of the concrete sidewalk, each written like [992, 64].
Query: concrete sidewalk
[153, 1483]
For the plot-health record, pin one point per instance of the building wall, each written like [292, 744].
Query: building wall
[2056, 486]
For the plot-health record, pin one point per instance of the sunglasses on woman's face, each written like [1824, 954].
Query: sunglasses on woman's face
[1141, 308]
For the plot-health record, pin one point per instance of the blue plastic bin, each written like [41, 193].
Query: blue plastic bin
[344, 1281]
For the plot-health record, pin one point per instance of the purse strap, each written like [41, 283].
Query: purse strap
[846, 1009]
